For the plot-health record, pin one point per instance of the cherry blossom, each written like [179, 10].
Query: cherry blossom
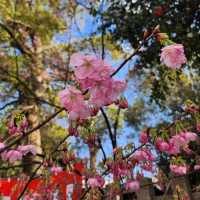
[2, 145]
[143, 155]
[132, 185]
[123, 103]
[143, 137]
[106, 92]
[197, 167]
[173, 56]
[97, 181]
[13, 129]
[178, 169]
[56, 169]
[161, 145]
[73, 100]
[11, 156]
[120, 169]
[198, 127]
[25, 149]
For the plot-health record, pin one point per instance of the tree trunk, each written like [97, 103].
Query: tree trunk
[93, 154]
[34, 139]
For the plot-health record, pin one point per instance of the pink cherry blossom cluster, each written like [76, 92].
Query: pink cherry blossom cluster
[143, 155]
[198, 127]
[173, 146]
[179, 169]
[96, 181]
[173, 56]
[144, 158]
[56, 169]
[93, 75]
[73, 100]
[132, 185]
[143, 137]
[17, 155]
[14, 128]
[120, 168]
[175, 143]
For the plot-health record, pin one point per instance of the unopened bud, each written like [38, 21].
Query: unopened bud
[161, 36]
[123, 103]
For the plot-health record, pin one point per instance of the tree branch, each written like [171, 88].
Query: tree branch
[102, 149]
[32, 130]
[133, 54]
[11, 34]
[109, 128]
[8, 104]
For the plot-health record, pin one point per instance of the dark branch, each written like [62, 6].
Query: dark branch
[17, 43]
[109, 128]
[8, 104]
[133, 54]
[102, 149]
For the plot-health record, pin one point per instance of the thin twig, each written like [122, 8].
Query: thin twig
[115, 126]
[132, 55]
[32, 130]
[167, 189]
[109, 128]
[8, 104]
[102, 149]
[102, 40]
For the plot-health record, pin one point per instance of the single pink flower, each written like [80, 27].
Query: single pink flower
[161, 145]
[25, 149]
[13, 129]
[76, 59]
[2, 145]
[120, 169]
[132, 185]
[189, 136]
[56, 169]
[28, 197]
[106, 92]
[173, 56]
[12, 156]
[197, 167]
[143, 155]
[174, 148]
[178, 169]
[198, 127]
[147, 165]
[143, 137]
[23, 124]
[73, 100]
[100, 180]
[93, 182]
[90, 69]
[123, 103]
